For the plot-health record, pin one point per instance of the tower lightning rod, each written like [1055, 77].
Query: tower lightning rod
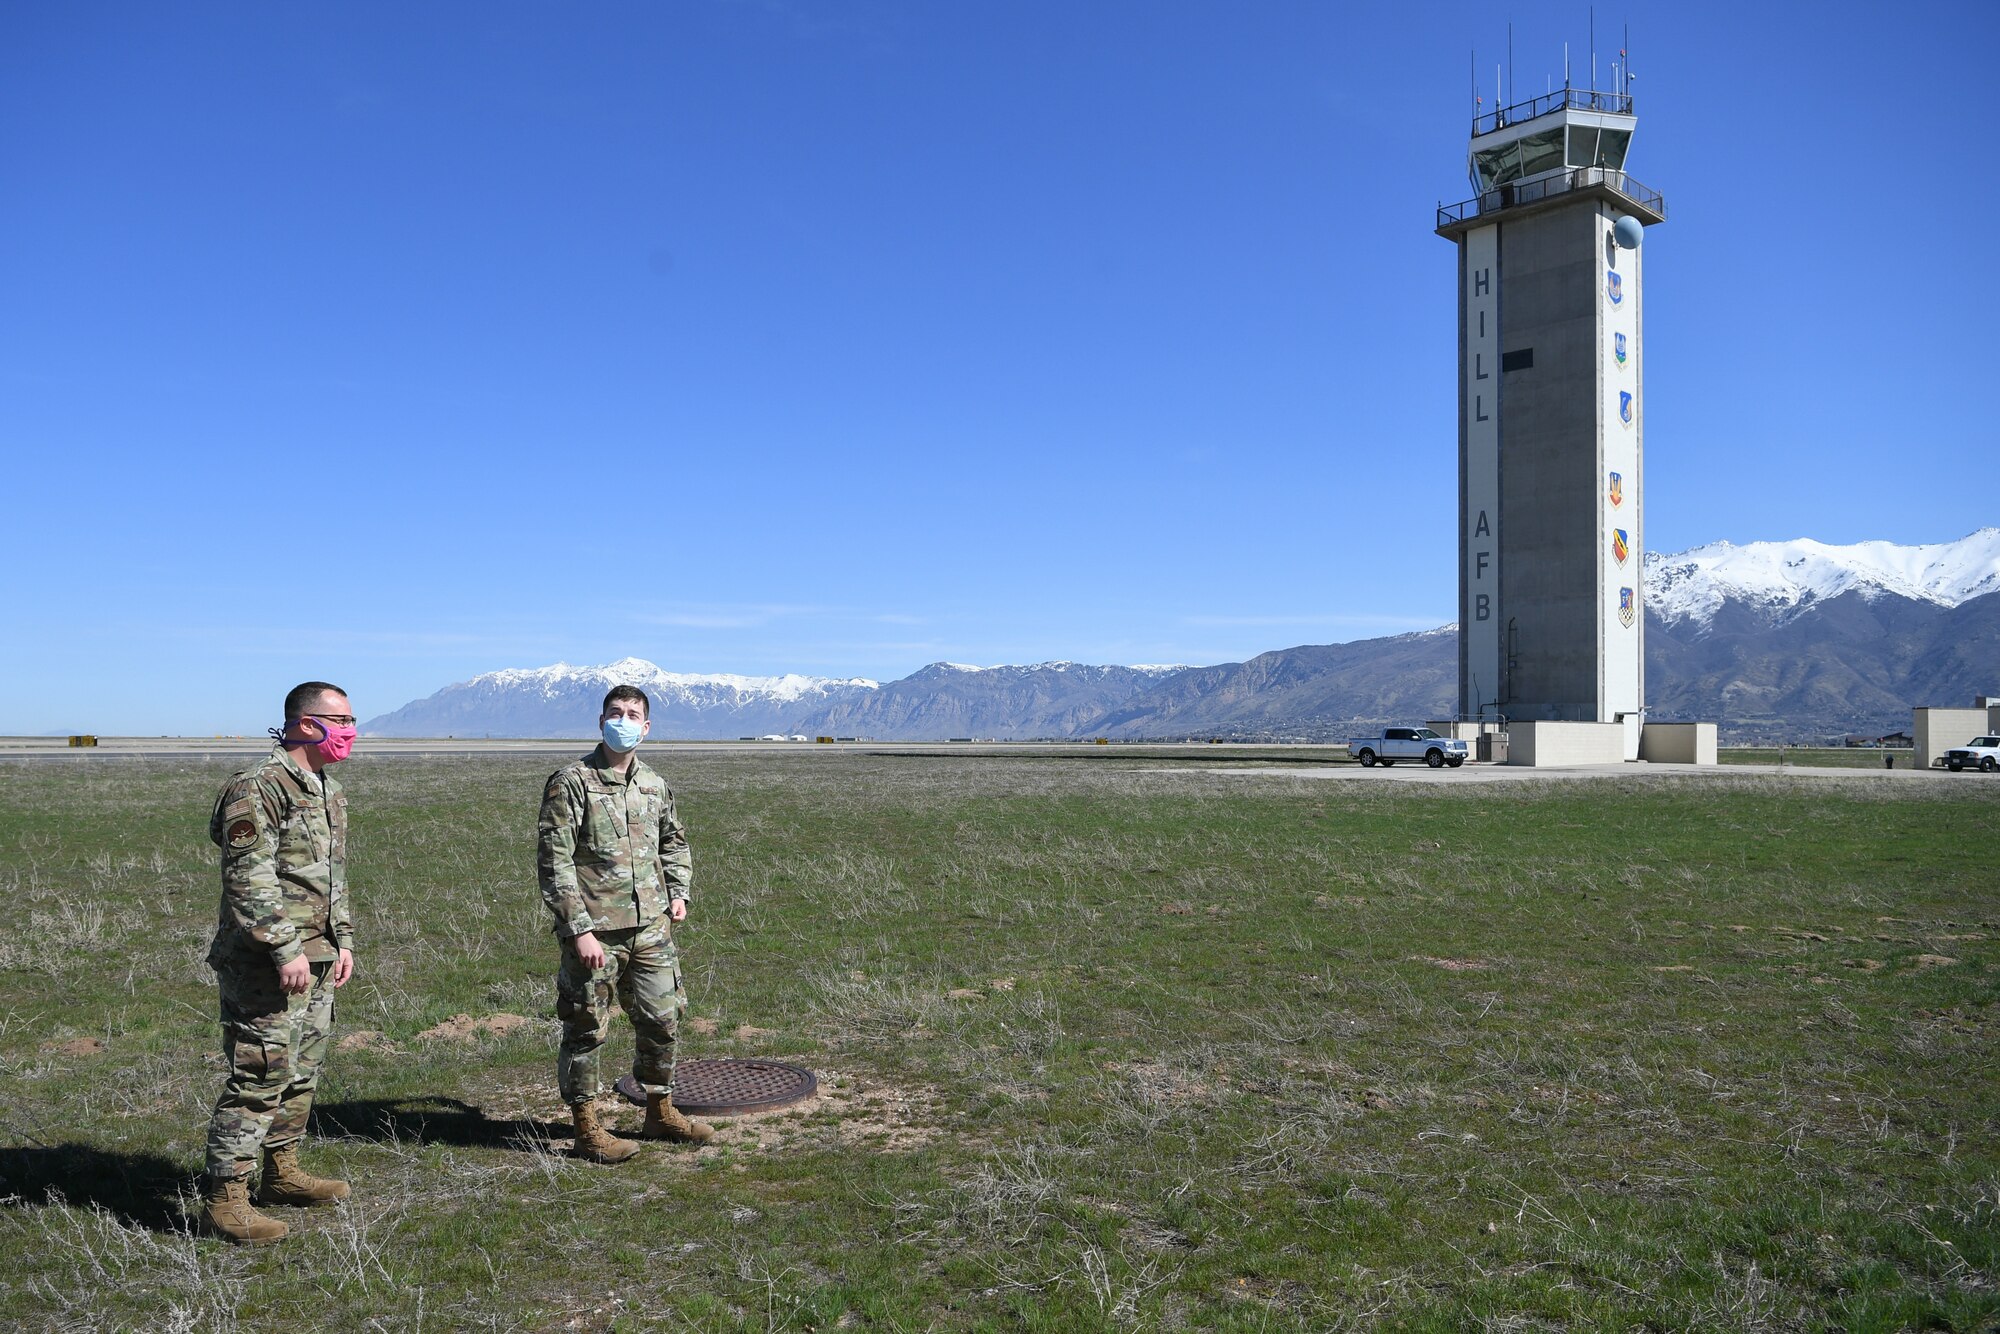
[1510, 62]
[1593, 48]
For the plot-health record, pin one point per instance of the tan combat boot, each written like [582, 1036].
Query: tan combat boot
[595, 1143]
[666, 1121]
[285, 1182]
[227, 1213]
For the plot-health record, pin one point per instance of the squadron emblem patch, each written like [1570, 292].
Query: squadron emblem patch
[1628, 608]
[242, 833]
[1621, 545]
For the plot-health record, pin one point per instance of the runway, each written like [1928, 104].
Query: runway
[1243, 760]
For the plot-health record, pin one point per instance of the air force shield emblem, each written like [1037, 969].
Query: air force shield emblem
[1625, 406]
[1621, 545]
[1628, 609]
[1616, 491]
[1614, 287]
[1618, 349]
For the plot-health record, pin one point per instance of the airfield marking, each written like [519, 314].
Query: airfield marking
[1502, 773]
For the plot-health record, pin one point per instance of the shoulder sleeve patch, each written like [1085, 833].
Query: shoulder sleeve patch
[242, 833]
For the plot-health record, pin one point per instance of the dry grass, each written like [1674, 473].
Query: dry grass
[1102, 1047]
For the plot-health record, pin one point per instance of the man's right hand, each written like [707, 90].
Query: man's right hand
[296, 977]
[589, 951]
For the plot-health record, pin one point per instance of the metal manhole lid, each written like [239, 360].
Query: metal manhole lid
[730, 1087]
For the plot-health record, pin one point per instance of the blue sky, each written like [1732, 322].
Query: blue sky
[393, 344]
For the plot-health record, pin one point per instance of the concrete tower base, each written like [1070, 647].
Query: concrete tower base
[1550, 745]
[1542, 745]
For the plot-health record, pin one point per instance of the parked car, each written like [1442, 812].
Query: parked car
[1981, 753]
[1407, 743]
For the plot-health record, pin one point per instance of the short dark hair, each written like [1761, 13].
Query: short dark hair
[633, 693]
[306, 694]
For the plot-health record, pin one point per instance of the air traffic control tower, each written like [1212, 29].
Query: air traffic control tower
[1551, 425]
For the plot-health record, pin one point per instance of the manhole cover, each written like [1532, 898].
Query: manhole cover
[731, 1088]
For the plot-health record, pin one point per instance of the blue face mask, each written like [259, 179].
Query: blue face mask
[622, 734]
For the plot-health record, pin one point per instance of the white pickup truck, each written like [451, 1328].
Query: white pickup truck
[1981, 753]
[1407, 743]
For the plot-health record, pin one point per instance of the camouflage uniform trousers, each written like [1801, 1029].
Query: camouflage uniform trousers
[275, 1044]
[642, 968]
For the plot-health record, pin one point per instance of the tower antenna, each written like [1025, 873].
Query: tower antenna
[1625, 54]
[1593, 50]
[1510, 62]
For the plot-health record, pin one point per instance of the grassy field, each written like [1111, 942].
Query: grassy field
[1102, 1048]
[1816, 757]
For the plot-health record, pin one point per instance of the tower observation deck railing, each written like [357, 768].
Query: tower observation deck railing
[1579, 99]
[1529, 192]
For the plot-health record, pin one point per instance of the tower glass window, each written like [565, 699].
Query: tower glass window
[1582, 146]
[1518, 159]
[1541, 152]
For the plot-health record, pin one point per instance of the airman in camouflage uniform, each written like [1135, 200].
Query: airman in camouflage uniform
[284, 939]
[615, 871]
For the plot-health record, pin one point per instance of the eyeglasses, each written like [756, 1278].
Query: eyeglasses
[337, 719]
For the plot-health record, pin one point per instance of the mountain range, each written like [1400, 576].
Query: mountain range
[1775, 641]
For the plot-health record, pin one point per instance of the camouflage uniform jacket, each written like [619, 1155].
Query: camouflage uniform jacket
[283, 834]
[611, 851]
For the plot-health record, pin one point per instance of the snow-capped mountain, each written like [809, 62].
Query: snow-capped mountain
[936, 702]
[1781, 580]
[1773, 640]
[562, 700]
[943, 700]
[693, 689]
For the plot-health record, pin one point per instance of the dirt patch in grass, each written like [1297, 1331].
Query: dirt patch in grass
[1934, 961]
[75, 1047]
[367, 1039]
[1452, 965]
[464, 1028]
[847, 1109]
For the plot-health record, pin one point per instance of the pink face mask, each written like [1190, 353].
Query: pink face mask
[338, 742]
[335, 743]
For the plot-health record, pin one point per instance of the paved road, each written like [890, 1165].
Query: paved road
[1249, 761]
[157, 748]
[1502, 773]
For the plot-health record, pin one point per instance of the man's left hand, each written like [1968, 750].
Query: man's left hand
[343, 968]
[678, 910]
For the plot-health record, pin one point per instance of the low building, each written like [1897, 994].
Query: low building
[1935, 731]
